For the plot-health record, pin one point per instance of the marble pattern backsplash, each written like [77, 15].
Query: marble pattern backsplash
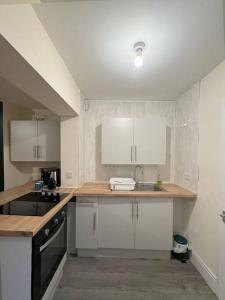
[93, 170]
[186, 141]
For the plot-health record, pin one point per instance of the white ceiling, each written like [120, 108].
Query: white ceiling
[184, 41]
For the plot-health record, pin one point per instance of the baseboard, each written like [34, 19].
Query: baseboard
[205, 271]
[125, 253]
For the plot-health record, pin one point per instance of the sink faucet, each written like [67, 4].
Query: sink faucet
[137, 174]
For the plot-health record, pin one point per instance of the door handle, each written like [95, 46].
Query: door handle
[223, 216]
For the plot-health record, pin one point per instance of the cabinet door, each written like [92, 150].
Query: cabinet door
[154, 224]
[48, 141]
[149, 141]
[117, 140]
[23, 140]
[71, 227]
[116, 223]
[86, 223]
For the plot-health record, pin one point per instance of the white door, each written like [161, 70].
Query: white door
[222, 208]
[154, 224]
[116, 223]
[149, 140]
[117, 140]
[48, 141]
[86, 223]
[23, 145]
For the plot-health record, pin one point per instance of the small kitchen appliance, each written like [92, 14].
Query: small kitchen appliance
[48, 173]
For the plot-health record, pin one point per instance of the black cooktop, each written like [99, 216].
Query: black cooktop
[33, 204]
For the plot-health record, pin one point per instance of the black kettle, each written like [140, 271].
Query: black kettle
[52, 183]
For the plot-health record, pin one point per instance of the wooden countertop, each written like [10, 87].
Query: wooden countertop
[28, 226]
[102, 189]
[11, 225]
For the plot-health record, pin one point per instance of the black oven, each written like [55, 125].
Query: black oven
[48, 249]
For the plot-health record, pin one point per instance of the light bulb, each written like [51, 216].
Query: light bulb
[138, 61]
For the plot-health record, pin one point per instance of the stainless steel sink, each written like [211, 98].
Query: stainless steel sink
[148, 187]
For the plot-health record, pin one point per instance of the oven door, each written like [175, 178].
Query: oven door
[47, 255]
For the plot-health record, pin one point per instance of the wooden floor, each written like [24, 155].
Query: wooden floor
[126, 279]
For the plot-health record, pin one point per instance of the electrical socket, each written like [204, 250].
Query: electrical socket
[69, 174]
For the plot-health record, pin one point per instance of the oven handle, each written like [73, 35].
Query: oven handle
[43, 247]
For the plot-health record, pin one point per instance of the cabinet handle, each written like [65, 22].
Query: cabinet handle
[34, 151]
[131, 153]
[38, 152]
[135, 148]
[132, 210]
[94, 222]
[137, 211]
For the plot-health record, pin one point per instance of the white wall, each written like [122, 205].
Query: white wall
[70, 151]
[92, 167]
[204, 219]
[201, 219]
[20, 26]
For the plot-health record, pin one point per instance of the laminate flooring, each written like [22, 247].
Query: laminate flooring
[131, 279]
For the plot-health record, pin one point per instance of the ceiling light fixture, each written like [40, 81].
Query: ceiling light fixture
[138, 47]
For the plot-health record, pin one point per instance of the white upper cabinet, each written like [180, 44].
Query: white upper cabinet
[23, 140]
[49, 140]
[117, 140]
[150, 141]
[134, 141]
[35, 141]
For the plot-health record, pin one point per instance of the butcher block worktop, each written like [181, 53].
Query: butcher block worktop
[102, 189]
[29, 225]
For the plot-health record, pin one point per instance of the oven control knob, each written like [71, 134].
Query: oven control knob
[47, 231]
[56, 221]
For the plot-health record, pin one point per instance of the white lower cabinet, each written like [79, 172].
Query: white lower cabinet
[154, 224]
[115, 223]
[124, 223]
[86, 223]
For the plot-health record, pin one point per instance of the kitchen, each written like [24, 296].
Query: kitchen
[132, 152]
